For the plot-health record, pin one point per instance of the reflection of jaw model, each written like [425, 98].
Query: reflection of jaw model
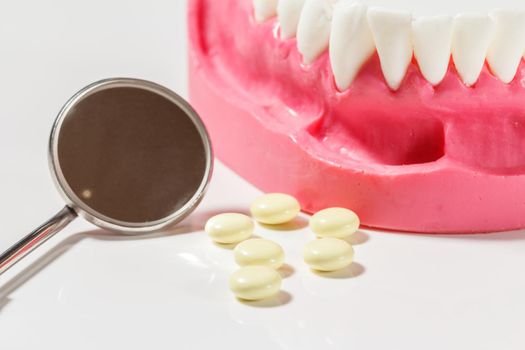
[417, 124]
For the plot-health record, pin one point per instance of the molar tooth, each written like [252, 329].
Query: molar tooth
[506, 49]
[393, 40]
[264, 9]
[313, 31]
[432, 43]
[470, 42]
[351, 41]
[288, 12]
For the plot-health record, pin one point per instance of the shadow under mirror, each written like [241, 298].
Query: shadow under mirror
[26, 274]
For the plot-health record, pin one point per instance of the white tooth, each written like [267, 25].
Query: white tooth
[432, 41]
[506, 49]
[351, 41]
[313, 31]
[470, 41]
[393, 40]
[264, 9]
[288, 13]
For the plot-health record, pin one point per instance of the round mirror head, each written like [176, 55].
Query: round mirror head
[130, 155]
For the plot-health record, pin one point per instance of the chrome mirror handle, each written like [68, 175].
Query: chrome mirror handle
[27, 244]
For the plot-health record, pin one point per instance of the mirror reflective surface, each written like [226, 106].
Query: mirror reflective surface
[131, 154]
[126, 154]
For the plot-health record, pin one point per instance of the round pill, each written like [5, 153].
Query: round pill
[258, 251]
[328, 254]
[275, 208]
[334, 222]
[255, 282]
[229, 227]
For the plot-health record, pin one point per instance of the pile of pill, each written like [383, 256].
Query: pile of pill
[260, 259]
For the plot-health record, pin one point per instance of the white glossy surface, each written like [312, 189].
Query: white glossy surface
[313, 29]
[505, 51]
[89, 290]
[470, 42]
[432, 39]
[351, 42]
[445, 7]
[229, 227]
[259, 251]
[288, 13]
[328, 254]
[334, 222]
[352, 32]
[392, 31]
[264, 9]
[275, 208]
[255, 283]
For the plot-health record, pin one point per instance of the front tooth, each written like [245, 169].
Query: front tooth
[313, 31]
[288, 13]
[351, 42]
[393, 40]
[470, 42]
[432, 41]
[264, 9]
[506, 49]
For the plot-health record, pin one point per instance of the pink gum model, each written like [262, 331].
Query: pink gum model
[449, 159]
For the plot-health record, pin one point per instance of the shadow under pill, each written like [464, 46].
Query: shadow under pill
[354, 270]
[228, 246]
[282, 298]
[231, 246]
[358, 238]
[296, 224]
[286, 271]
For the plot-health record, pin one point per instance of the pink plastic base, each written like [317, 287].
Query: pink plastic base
[427, 187]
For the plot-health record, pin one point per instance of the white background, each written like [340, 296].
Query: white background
[87, 289]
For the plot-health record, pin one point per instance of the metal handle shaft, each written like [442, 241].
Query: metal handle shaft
[26, 245]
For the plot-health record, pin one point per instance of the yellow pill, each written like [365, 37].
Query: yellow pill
[328, 254]
[275, 208]
[259, 251]
[229, 227]
[334, 222]
[255, 282]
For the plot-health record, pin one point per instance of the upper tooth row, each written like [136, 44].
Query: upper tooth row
[353, 32]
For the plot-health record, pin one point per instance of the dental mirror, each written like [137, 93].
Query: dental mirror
[128, 155]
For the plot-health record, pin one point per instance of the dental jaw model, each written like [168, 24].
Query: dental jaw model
[410, 113]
